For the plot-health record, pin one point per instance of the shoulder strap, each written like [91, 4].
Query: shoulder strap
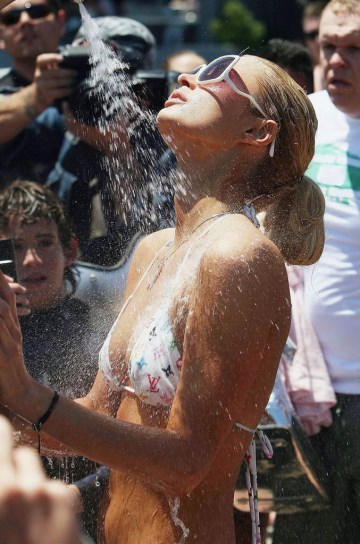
[141, 280]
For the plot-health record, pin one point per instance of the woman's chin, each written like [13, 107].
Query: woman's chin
[167, 128]
[163, 115]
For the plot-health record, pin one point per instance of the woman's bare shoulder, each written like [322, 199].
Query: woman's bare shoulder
[241, 246]
[246, 268]
[150, 244]
[155, 239]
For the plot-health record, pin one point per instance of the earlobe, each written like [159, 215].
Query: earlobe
[262, 136]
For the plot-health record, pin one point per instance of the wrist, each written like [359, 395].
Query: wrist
[31, 107]
[32, 401]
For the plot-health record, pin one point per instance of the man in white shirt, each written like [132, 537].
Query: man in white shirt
[332, 286]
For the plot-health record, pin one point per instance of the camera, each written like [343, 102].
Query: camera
[7, 258]
[155, 86]
[86, 102]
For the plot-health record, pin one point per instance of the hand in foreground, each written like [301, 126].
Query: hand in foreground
[77, 500]
[14, 379]
[33, 509]
[22, 303]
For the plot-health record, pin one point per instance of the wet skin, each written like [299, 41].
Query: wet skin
[222, 381]
[207, 509]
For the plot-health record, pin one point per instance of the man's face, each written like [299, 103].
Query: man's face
[40, 260]
[28, 38]
[340, 55]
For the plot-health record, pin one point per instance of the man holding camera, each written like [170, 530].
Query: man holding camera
[32, 126]
[31, 130]
[34, 140]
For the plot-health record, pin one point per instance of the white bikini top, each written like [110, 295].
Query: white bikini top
[155, 361]
[154, 364]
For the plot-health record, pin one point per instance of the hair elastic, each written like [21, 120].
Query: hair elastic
[40, 422]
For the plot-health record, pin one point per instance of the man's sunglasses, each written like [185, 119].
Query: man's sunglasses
[311, 35]
[36, 11]
[219, 70]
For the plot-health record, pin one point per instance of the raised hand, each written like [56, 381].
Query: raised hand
[13, 375]
[51, 83]
[22, 303]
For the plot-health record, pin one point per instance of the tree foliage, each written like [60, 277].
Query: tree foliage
[238, 27]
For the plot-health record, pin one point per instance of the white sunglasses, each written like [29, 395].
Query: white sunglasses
[218, 70]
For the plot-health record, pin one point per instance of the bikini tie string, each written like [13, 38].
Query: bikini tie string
[251, 481]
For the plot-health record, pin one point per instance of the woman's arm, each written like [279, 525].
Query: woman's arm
[100, 399]
[238, 325]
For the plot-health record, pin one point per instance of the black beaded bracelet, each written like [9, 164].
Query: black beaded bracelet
[40, 422]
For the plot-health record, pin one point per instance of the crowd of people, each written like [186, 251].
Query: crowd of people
[246, 193]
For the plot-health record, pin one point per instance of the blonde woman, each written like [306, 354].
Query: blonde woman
[188, 366]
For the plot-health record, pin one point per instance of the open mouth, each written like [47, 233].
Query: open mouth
[338, 84]
[30, 281]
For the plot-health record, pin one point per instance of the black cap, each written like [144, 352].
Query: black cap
[131, 38]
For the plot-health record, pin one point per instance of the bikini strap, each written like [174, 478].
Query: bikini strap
[198, 237]
[126, 303]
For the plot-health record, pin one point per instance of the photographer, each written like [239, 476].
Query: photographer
[31, 131]
[37, 140]
[112, 109]
[31, 127]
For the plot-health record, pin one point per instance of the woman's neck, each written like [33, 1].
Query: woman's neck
[226, 180]
[199, 196]
[190, 217]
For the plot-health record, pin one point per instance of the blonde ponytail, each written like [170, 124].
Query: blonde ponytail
[294, 222]
[291, 203]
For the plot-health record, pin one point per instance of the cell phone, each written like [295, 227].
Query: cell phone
[7, 258]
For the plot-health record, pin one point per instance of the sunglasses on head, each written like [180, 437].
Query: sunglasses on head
[36, 11]
[219, 70]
